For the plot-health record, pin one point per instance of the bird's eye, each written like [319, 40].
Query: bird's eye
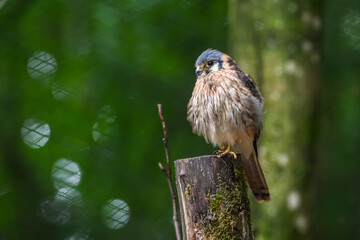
[210, 63]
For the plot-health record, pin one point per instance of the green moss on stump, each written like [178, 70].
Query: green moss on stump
[187, 191]
[229, 210]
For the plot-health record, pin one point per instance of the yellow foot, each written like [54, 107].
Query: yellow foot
[223, 148]
[225, 151]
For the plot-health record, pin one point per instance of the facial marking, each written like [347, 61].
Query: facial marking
[215, 67]
[206, 69]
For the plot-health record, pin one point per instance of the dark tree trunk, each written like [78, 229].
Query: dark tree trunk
[213, 198]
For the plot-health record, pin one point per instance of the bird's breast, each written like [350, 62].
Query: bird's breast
[215, 110]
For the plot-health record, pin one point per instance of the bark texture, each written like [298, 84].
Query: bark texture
[213, 198]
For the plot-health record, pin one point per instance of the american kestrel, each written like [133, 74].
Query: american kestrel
[226, 109]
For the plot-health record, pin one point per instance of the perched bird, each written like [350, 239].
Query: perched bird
[226, 109]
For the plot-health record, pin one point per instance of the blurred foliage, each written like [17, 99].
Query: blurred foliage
[93, 73]
[81, 138]
[336, 207]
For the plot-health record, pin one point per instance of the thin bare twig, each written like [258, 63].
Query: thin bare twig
[167, 173]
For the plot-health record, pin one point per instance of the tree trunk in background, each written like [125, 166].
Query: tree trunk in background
[277, 43]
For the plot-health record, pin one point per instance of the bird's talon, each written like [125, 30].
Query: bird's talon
[225, 151]
[217, 152]
[233, 154]
[222, 151]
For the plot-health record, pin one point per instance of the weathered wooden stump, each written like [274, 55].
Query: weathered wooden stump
[213, 198]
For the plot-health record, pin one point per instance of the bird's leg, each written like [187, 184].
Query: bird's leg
[225, 151]
[223, 148]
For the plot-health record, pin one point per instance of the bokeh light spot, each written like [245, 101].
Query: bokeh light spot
[41, 64]
[116, 213]
[307, 46]
[35, 134]
[66, 173]
[283, 159]
[351, 28]
[301, 223]
[61, 92]
[104, 128]
[55, 212]
[69, 196]
[78, 236]
[293, 200]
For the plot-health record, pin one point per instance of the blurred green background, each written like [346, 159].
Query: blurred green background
[81, 137]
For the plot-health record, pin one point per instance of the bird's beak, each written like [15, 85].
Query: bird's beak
[199, 70]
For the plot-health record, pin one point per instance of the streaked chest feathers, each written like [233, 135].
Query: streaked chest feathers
[222, 109]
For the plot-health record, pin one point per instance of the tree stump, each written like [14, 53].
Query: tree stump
[213, 198]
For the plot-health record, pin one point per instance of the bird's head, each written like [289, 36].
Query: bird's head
[209, 61]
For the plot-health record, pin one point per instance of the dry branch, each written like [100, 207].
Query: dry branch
[167, 173]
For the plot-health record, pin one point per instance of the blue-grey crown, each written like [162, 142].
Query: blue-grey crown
[209, 55]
